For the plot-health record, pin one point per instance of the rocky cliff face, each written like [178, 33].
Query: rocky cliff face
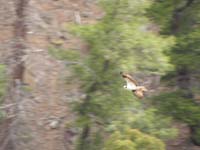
[28, 28]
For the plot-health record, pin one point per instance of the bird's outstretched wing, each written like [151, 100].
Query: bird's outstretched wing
[131, 83]
[128, 78]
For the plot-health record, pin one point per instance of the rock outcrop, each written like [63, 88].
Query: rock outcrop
[36, 79]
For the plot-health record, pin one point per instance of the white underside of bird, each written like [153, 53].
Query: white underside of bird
[132, 87]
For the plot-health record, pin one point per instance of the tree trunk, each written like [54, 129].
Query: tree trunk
[84, 139]
[175, 25]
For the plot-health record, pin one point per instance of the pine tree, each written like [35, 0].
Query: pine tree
[121, 41]
[182, 21]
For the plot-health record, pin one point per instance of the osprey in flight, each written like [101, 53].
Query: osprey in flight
[132, 85]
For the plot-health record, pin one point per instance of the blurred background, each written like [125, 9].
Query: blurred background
[60, 82]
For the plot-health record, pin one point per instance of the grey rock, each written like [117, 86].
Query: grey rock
[54, 124]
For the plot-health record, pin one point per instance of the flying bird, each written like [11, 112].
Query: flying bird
[132, 85]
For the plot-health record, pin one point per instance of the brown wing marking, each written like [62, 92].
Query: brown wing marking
[139, 93]
[127, 76]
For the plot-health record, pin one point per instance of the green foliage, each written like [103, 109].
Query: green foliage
[196, 136]
[186, 52]
[133, 139]
[182, 20]
[163, 13]
[146, 121]
[177, 105]
[62, 54]
[2, 81]
[130, 43]
[2, 86]
[120, 41]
